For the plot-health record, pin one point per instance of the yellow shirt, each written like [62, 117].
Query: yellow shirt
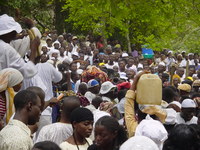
[131, 122]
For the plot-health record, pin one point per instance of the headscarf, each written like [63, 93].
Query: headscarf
[9, 77]
[139, 143]
[152, 129]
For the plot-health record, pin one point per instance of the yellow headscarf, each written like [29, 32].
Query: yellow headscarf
[9, 77]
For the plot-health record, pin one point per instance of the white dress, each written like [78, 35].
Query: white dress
[67, 146]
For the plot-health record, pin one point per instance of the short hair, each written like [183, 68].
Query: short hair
[37, 90]
[23, 97]
[46, 145]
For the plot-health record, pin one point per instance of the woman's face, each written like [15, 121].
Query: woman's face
[17, 87]
[103, 137]
[84, 128]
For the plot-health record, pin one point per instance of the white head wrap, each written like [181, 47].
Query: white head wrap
[9, 77]
[154, 130]
[139, 143]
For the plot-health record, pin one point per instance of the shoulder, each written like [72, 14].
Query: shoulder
[67, 146]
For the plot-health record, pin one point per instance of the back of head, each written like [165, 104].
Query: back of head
[23, 97]
[83, 88]
[68, 104]
[38, 91]
[46, 145]
[182, 137]
[168, 94]
[97, 101]
[139, 143]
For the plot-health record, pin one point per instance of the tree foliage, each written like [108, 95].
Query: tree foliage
[157, 23]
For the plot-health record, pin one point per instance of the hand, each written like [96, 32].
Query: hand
[137, 77]
[53, 101]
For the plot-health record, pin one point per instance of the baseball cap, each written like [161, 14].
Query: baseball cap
[106, 87]
[92, 83]
[8, 24]
[188, 103]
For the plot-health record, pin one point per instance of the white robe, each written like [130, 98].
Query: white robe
[9, 58]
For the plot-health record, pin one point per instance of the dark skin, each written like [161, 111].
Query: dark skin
[25, 115]
[104, 138]
[187, 113]
[82, 130]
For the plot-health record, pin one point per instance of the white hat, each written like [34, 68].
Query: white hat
[124, 55]
[75, 53]
[139, 143]
[190, 54]
[152, 129]
[169, 52]
[176, 103]
[8, 24]
[188, 103]
[106, 87]
[162, 63]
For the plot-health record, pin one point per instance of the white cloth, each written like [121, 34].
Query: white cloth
[184, 63]
[56, 132]
[48, 74]
[67, 146]
[21, 45]
[15, 136]
[90, 96]
[180, 120]
[9, 58]
[34, 81]
[139, 143]
[152, 129]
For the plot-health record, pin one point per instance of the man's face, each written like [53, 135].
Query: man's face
[187, 113]
[122, 65]
[35, 112]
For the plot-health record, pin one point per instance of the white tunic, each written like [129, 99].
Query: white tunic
[180, 120]
[9, 58]
[48, 74]
[56, 132]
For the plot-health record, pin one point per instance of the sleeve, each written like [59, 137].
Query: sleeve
[131, 122]
[56, 75]
[28, 70]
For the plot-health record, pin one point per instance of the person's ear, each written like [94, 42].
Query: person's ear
[29, 106]
[74, 124]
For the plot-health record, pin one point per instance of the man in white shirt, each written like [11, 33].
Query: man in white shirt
[48, 74]
[187, 114]
[60, 131]
[16, 135]
[8, 55]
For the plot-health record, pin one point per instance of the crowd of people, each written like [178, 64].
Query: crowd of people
[62, 92]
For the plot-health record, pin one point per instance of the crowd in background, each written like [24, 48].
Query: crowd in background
[71, 93]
